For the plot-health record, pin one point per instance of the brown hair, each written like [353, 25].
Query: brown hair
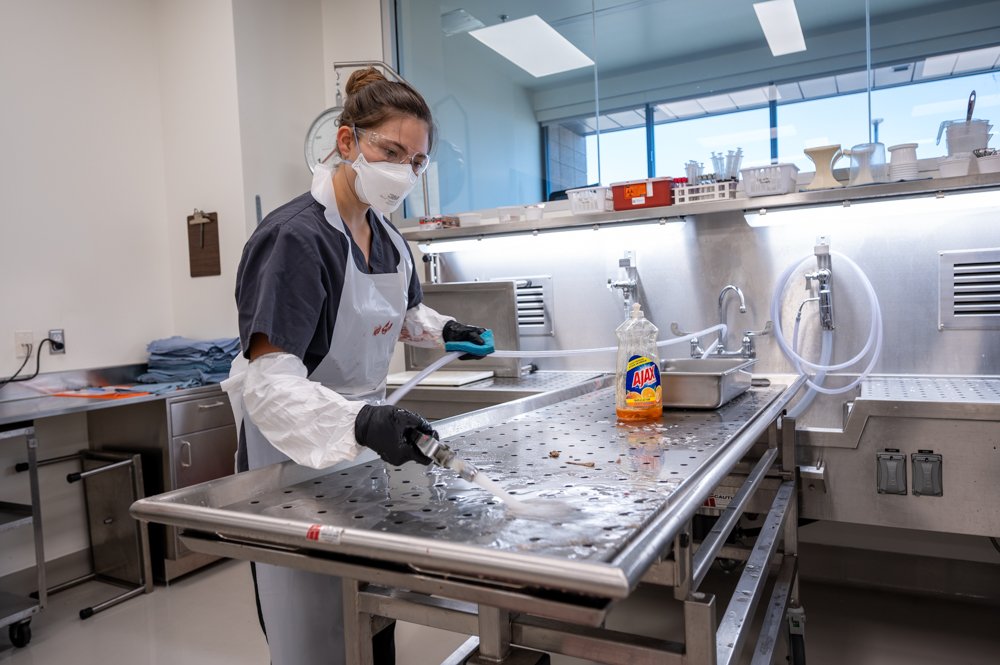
[372, 99]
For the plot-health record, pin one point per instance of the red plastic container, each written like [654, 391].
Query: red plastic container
[649, 193]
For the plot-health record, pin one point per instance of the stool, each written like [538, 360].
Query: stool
[119, 544]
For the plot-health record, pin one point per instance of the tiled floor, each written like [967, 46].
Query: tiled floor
[210, 619]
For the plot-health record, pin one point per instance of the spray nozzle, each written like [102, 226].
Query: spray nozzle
[442, 455]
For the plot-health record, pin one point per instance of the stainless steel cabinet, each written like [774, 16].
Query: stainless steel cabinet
[185, 439]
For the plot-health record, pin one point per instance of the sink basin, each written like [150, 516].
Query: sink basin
[703, 383]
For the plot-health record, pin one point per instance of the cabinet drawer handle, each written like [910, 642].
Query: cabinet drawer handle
[213, 405]
[185, 448]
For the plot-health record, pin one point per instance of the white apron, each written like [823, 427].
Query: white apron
[302, 611]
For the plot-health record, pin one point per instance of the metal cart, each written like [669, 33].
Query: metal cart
[16, 611]
[119, 545]
[421, 545]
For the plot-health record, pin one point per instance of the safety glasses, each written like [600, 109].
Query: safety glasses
[392, 151]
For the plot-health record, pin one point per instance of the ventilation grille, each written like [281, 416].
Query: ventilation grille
[534, 304]
[970, 289]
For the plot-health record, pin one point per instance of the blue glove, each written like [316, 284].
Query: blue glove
[473, 341]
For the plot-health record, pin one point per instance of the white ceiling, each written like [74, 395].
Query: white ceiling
[632, 34]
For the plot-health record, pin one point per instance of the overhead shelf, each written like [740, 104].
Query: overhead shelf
[823, 197]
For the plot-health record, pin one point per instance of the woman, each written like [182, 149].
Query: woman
[325, 288]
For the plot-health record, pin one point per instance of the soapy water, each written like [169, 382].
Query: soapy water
[537, 508]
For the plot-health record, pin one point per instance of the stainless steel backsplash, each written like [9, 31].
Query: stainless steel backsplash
[682, 268]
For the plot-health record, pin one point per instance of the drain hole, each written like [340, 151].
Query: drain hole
[288, 491]
[321, 512]
[286, 507]
[254, 502]
[359, 517]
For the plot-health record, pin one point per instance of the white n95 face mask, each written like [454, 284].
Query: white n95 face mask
[382, 185]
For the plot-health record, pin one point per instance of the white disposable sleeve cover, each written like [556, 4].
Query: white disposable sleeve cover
[310, 423]
[422, 327]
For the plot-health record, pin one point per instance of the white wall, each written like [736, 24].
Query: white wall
[202, 158]
[82, 205]
[352, 31]
[120, 117]
[280, 75]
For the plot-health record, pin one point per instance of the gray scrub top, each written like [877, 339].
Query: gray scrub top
[291, 277]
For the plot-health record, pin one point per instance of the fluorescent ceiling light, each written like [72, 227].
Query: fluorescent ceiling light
[780, 23]
[533, 45]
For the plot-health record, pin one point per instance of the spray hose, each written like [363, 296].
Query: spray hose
[401, 392]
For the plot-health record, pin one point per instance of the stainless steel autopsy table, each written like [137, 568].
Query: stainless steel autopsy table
[423, 545]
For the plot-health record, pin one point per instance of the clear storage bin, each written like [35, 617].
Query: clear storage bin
[769, 180]
[588, 200]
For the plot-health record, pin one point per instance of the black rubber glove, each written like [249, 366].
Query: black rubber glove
[454, 331]
[391, 431]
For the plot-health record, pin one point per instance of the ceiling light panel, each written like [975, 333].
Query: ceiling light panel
[789, 92]
[752, 97]
[630, 118]
[894, 75]
[533, 45]
[780, 22]
[971, 61]
[717, 103]
[687, 107]
[852, 82]
[822, 87]
[939, 65]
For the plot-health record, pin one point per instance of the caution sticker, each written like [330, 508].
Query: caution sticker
[324, 533]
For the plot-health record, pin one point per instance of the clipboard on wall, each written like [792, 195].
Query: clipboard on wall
[203, 243]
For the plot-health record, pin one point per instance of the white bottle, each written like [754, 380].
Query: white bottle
[638, 395]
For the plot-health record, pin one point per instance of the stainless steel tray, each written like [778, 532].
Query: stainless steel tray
[704, 383]
[631, 487]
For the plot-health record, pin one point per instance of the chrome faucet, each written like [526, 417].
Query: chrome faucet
[723, 318]
[630, 285]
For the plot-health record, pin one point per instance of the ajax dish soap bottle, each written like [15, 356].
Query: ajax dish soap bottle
[638, 395]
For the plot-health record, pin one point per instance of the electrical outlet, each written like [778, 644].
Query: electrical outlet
[23, 343]
[57, 335]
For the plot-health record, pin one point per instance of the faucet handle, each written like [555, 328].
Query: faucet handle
[768, 327]
[676, 330]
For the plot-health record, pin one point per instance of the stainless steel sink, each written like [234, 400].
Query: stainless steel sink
[703, 383]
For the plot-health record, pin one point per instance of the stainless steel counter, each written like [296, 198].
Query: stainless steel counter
[46, 406]
[951, 420]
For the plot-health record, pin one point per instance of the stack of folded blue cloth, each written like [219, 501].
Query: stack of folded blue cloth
[190, 361]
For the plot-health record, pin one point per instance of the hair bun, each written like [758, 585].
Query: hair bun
[362, 77]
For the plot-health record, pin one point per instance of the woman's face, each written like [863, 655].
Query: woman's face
[400, 139]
